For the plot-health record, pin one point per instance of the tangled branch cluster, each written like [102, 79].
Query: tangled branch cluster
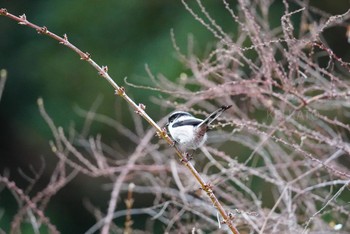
[282, 165]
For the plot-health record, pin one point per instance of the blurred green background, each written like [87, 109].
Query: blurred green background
[125, 35]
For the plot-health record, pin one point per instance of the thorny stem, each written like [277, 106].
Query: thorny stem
[139, 109]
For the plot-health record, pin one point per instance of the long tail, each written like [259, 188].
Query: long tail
[214, 115]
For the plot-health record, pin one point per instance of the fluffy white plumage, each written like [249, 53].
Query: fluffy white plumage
[189, 132]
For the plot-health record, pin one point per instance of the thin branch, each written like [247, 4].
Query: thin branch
[103, 71]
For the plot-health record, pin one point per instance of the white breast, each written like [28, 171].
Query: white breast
[186, 137]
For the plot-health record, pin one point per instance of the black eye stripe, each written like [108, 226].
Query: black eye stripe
[176, 115]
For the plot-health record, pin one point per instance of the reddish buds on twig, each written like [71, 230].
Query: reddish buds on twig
[208, 187]
[141, 107]
[104, 70]
[42, 30]
[120, 91]
[230, 217]
[162, 133]
[65, 40]
[3, 11]
[86, 56]
[24, 19]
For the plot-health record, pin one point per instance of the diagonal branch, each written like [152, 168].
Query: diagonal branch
[139, 109]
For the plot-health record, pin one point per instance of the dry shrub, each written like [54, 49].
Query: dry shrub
[278, 160]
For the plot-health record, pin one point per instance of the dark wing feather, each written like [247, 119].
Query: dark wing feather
[192, 122]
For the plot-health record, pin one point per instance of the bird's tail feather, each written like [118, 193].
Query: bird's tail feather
[213, 116]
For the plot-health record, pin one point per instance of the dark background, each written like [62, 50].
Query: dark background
[125, 35]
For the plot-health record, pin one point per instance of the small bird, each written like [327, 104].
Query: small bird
[189, 132]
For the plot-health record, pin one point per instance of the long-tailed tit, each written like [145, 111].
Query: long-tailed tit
[189, 132]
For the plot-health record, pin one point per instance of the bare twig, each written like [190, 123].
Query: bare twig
[3, 77]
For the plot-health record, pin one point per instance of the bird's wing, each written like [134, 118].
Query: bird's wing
[214, 115]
